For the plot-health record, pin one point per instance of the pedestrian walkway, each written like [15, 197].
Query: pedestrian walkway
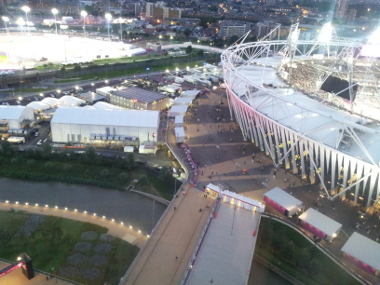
[164, 258]
[114, 229]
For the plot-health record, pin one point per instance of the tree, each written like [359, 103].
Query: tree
[200, 52]
[189, 49]
[7, 148]
[123, 176]
[187, 33]
[104, 173]
[131, 162]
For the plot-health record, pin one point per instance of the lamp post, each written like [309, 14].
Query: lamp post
[6, 19]
[121, 29]
[147, 71]
[55, 12]
[26, 9]
[108, 17]
[84, 15]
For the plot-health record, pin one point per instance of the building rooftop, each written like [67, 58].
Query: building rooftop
[364, 249]
[320, 221]
[283, 198]
[141, 95]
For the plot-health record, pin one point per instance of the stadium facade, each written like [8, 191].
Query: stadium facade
[312, 107]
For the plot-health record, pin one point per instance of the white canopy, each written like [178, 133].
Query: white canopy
[242, 201]
[70, 101]
[283, 199]
[52, 102]
[178, 110]
[364, 249]
[183, 101]
[38, 105]
[104, 105]
[321, 222]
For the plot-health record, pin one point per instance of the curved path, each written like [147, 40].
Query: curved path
[114, 229]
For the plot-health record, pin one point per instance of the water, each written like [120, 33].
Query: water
[127, 207]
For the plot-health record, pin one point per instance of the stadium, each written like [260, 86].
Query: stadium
[312, 107]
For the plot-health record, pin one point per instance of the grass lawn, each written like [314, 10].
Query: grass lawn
[292, 253]
[52, 242]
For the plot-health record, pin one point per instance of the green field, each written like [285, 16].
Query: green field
[65, 245]
[289, 251]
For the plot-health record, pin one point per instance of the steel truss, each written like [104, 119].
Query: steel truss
[337, 172]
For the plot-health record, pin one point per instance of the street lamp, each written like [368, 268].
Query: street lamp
[84, 15]
[5, 19]
[55, 12]
[26, 9]
[108, 17]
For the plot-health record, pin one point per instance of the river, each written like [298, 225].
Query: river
[128, 207]
[124, 206]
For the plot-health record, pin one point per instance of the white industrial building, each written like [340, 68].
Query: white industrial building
[15, 118]
[103, 126]
[283, 202]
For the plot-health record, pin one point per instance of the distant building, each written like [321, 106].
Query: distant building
[137, 98]
[229, 29]
[341, 8]
[160, 11]
[153, 46]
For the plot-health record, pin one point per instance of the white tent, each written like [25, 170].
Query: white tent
[52, 102]
[38, 106]
[190, 93]
[363, 252]
[282, 201]
[177, 110]
[319, 224]
[178, 121]
[183, 101]
[104, 105]
[70, 101]
[15, 115]
[179, 134]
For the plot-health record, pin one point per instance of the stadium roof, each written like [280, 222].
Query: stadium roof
[15, 112]
[295, 110]
[283, 198]
[106, 117]
[320, 221]
[141, 95]
[364, 249]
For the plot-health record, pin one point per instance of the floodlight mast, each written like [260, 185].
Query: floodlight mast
[55, 12]
[21, 23]
[84, 15]
[6, 19]
[26, 9]
[108, 17]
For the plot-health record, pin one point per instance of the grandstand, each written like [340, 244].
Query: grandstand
[313, 107]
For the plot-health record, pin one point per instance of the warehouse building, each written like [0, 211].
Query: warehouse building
[16, 119]
[137, 98]
[103, 127]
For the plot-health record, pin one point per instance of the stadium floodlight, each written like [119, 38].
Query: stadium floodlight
[108, 17]
[26, 9]
[375, 37]
[55, 12]
[84, 15]
[5, 19]
[21, 23]
[325, 33]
